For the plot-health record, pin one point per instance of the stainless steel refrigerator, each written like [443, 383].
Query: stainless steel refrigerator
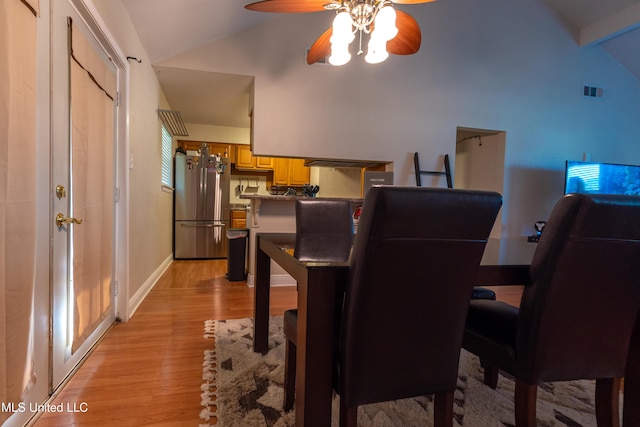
[201, 206]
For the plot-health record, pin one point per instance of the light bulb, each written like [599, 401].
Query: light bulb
[342, 32]
[385, 23]
[339, 54]
[376, 50]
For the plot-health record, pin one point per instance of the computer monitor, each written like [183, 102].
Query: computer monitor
[601, 178]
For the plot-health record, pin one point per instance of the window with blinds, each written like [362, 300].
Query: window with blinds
[167, 145]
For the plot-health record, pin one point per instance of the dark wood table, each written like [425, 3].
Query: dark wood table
[318, 286]
[505, 262]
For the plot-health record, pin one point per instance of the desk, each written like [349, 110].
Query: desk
[319, 284]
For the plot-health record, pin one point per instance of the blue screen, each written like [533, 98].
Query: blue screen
[601, 178]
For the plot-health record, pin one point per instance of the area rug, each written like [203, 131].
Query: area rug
[243, 388]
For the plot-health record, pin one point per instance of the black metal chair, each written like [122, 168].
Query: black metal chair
[413, 264]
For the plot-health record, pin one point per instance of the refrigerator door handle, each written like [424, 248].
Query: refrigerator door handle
[203, 180]
[188, 224]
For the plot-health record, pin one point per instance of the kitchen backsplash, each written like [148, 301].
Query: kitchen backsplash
[247, 185]
[337, 182]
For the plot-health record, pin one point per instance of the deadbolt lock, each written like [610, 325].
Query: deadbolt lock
[61, 192]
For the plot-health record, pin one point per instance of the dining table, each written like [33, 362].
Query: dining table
[320, 288]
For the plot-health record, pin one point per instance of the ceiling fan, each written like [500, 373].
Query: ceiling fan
[390, 31]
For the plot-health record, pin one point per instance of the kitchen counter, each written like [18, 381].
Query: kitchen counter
[238, 206]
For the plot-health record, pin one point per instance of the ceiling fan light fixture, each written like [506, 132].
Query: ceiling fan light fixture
[342, 35]
[363, 13]
[339, 54]
[376, 50]
[331, 6]
[376, 19]
[385, 23]
[342, 29]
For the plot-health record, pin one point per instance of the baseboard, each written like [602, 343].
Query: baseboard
[276, 280]
[146, 287]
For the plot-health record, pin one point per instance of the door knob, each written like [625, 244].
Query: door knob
[61, 220]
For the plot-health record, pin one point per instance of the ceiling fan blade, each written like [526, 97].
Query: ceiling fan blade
[409, 37]
[412, 1]
[290, 6]
[321, 48]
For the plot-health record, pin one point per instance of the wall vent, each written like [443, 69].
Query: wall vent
[593, 92]
[323, 61]
[173, 121]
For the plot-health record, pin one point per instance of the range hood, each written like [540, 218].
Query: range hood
[342, 163]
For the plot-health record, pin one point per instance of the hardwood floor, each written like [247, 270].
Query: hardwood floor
[148, 371]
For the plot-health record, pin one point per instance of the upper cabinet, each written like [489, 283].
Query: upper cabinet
[280, 171]
[244, 157]
[246, 160]
[224, 150]
[286, 171]
[299, 174]
[291, 172]
[264, 162]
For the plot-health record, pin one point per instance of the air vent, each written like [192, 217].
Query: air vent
[173, 122]
[323, 61]
[594, 92]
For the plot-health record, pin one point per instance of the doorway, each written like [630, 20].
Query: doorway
[86, 144]
[479, 163]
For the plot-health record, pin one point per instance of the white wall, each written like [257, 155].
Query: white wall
[210, 133]
[480, 163]
[337, 182]
[480, 166]
[495, 64]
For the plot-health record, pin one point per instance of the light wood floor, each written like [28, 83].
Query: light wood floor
[148, 371]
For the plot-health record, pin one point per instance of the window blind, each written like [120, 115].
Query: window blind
[167, 145]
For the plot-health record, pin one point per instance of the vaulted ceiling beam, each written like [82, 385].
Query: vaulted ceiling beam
[611, 26]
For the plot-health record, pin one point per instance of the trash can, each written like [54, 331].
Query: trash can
[237, 257]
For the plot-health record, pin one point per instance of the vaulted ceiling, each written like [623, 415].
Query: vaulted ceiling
[168, 28]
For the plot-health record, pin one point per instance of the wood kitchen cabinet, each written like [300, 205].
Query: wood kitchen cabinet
[280, 171]
[290, 172]
[238, 218]
[244, 157]
[299, 174]
[220, 148]
[246, 160]
[264, 162]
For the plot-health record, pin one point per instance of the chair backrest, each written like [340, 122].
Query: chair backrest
[324, 230]
[577, 315]
[413, 264]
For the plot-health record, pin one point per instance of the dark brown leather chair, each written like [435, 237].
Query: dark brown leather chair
[577, 315]
[324, 230]
[411, 275]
